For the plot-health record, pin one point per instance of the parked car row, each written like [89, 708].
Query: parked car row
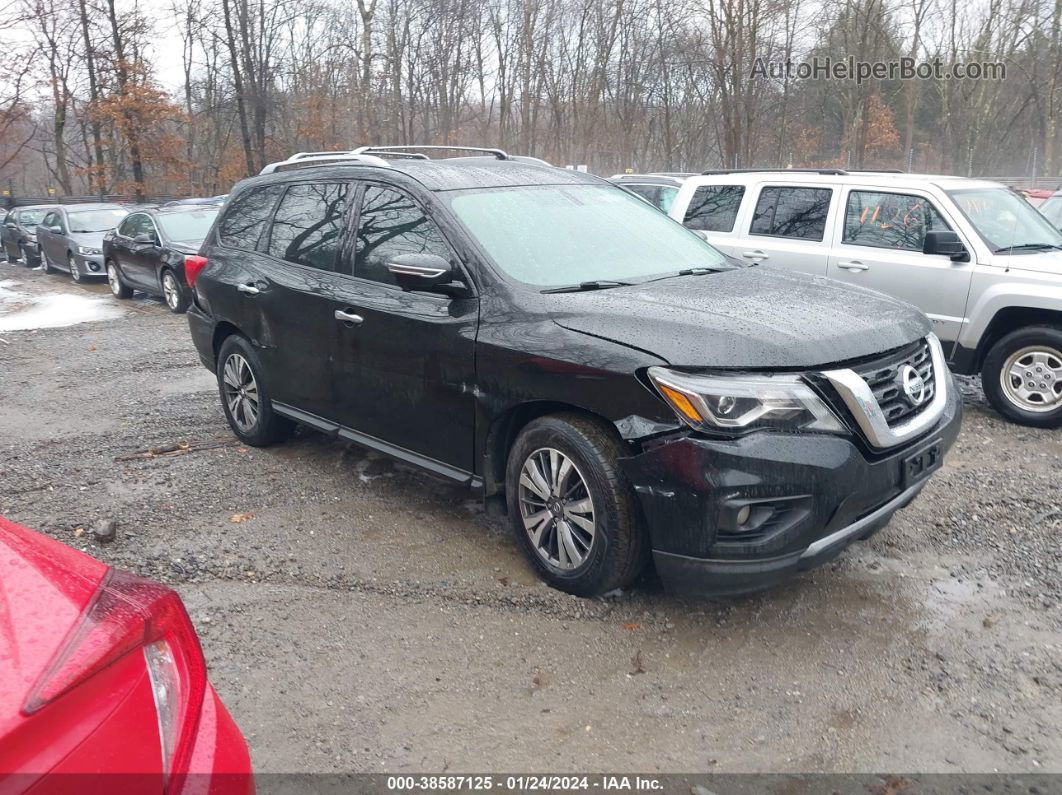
[980, 261]
[140, 250]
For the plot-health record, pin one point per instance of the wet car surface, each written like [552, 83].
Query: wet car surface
[358, 615]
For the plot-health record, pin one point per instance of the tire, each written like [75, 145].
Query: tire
[1033, 353]
[46, 267]
[119, 289]
[618, 547]
[267, 427]
[175, 296]
[75, 271]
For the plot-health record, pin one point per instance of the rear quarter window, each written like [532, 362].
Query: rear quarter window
[246, 216]
[714, 208]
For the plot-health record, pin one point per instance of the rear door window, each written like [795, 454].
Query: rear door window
[714, 208]
[308, 225]
[792, 212]
[889, 220]
[391, 223]
[246, 217]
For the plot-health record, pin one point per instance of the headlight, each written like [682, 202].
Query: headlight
[744, 402]
[88, 250]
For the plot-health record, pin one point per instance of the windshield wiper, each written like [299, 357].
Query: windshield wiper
[582, 287]
[1029, 247]
[698, 271]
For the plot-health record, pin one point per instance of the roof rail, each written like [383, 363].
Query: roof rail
[876, 171]
[308, 159]
[409, 151]
[837, 172]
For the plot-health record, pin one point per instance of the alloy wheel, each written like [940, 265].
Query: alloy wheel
[113, 279]
[557, 509]
[170, 291]
[1032, 378]
[241, 392]
[75, 274]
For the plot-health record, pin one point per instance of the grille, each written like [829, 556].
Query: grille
[884, 379]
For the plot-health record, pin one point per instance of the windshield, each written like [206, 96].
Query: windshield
[185, 226]
[1005, 221]
[95, 220]
[31, 217]
[569, 234]
[1052, 211]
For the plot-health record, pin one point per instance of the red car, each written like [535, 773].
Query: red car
[103, 686]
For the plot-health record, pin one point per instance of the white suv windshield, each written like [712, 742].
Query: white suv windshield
[1006, 222]
[568, 234]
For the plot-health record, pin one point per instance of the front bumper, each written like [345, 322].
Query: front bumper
[818, 492]
[90, 264]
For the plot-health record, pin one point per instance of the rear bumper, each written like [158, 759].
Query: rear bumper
[221, 763]
[816, 494]
[201, 327]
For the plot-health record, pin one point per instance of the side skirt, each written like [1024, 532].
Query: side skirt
[402, 454]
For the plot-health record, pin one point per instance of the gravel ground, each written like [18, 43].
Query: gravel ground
[360, 616]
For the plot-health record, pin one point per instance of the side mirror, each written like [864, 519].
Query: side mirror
[945, 243]
[701, 234]
[56, 229]
[420, 271]
[144, 240]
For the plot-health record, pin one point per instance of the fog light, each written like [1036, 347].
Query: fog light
[94, 266]
[743, 515]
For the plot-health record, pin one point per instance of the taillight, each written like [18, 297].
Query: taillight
[193, 266]
[128, 613]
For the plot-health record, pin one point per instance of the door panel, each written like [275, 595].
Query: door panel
[879, 245]
[404, 373]
[784, 226]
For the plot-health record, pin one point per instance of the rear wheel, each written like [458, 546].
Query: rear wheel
[46, 266]
[1022, 376]
[572, 510]
[75, 271]
[176, 299]
[245, 396]
[119, 289]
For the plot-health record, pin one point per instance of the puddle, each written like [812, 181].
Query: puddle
[23, 312]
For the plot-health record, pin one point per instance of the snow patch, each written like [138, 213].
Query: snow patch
[21, 312]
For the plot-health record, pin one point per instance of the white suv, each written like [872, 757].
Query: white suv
[974, 256]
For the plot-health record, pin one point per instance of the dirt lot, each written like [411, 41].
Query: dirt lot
[360, 616]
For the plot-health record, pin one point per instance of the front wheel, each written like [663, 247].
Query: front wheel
[1022, 376]
[119, 289]
[175, 296]
[75, 271]
[245, 396]
[46, 266]
[573, 511]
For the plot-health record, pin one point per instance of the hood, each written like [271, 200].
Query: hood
[90, 239]
[44, 587]
[748, 318]
[1041, 262]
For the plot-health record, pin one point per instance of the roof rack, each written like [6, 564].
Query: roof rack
[410, 151]
[308, 159]
[833, 172]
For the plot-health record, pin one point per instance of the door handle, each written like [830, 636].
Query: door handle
[756, 255]
[349, 318]
[250, 289]
[853, 265]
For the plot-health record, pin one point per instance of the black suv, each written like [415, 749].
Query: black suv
[545, 336]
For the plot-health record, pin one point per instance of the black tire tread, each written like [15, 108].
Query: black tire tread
[628, 551]
[994, 360]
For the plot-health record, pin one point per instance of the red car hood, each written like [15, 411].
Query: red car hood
[44, 587]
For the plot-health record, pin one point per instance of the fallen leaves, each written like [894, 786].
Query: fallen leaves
[240, 518]
[632, 626]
